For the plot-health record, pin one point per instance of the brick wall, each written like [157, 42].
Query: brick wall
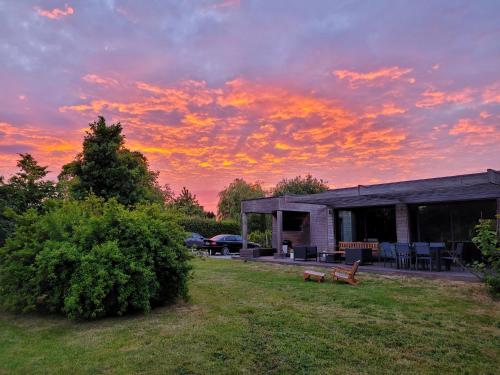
[402, 223]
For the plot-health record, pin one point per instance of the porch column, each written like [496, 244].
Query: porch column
[332, 235]
[402, 223]
[279, 231]
[498, 217]
[244, 229]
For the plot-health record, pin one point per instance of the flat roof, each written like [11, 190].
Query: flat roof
[474, 186]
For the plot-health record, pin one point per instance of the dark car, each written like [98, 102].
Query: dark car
[195, 240]
[226, 244]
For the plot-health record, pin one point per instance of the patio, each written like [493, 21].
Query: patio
[376, 268]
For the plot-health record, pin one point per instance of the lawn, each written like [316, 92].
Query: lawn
[255, 318]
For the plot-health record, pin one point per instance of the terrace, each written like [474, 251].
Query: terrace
[413, 223]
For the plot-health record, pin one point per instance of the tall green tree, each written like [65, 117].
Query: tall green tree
[187, 203]
[108, 169]
[27, 189]
[229, 206]
[300, 186]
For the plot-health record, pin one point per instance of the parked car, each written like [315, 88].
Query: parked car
[226, 244]
[195, 240]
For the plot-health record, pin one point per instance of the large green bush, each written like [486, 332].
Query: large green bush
[486, 240]
[208, 227]
[89, 259]
[262, 238]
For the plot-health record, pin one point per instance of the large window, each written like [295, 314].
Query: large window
[449, 222]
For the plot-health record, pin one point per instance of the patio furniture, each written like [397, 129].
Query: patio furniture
[327, 256]
[343, 245]
[403, 254]
[305, 252]
[438, 250]
[388, 253]
[454, 257]
[423, 254]
[362, 255]
[345, 274]
[314, 275]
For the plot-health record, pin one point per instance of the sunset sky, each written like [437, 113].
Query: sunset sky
[353, 92]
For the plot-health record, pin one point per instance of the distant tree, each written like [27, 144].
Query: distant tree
[108, 169]
[187, 203]
[299, 185]
[229, 206]
[26, 189]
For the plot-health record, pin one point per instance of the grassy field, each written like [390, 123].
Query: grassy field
[254, 318]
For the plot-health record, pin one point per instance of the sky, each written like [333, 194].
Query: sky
[353, 92]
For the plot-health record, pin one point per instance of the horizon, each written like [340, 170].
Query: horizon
[352, 93]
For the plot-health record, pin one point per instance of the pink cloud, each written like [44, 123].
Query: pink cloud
[55, 13]
[376, 77]
[432, 98]
[98, 80]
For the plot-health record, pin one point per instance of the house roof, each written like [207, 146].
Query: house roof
[465, 187]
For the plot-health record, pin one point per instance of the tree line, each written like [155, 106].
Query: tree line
[107, 169]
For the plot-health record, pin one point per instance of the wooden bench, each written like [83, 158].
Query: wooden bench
[313, 275]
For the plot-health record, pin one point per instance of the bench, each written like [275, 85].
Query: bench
[313, 275]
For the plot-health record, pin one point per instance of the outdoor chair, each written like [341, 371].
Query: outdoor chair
[423, 254]
[305, 252]
[387, 252]
[345, 274]
[454, 257]
[403, 253]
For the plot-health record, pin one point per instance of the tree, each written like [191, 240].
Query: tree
[26, 189]
[108, 169]
[187, 203]
[229, 206]
[300, 186]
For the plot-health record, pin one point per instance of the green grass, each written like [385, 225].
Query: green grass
[255, 318]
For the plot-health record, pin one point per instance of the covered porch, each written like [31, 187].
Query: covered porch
[443, 210]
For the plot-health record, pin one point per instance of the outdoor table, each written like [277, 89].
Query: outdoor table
[329, 255]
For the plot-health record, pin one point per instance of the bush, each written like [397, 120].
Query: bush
[90, 259]
[209, 227]
[486, 240]
[262, 238]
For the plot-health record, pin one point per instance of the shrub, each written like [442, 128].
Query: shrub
[262, 238]
[208, 227]
[90, 259]
[486, 240]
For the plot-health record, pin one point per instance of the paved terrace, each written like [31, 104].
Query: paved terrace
[377, 268]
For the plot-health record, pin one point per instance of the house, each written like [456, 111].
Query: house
[444, 209]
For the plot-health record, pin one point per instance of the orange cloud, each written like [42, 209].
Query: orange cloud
[492, 94]
[432, 98]
[94, 78]
[475, 133]
[375, 77]
[56, 13]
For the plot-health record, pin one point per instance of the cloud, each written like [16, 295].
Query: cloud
[492, 94]
[432, 98]
[56, 13]
[98, 80]
[376, 77]
[475, 133]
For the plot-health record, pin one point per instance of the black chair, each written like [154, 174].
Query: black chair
[438, 251]
[423, 254]
[454, 257]
[305, 252]
[403, 253]
[388, 253]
